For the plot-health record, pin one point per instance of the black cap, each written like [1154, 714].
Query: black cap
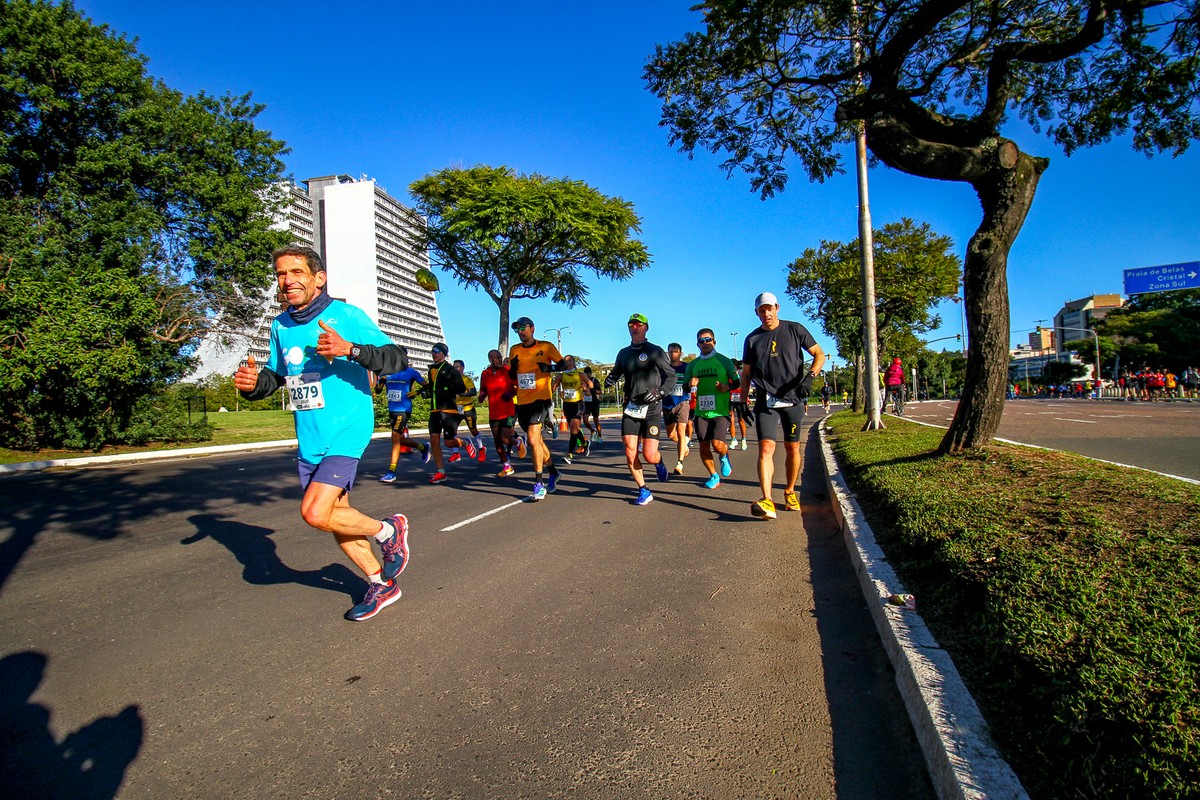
[442, 348]
[521, 323]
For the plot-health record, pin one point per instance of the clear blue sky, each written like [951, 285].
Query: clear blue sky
[396, 90]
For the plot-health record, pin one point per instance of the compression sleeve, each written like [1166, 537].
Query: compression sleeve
[385, 359]
[268, 382]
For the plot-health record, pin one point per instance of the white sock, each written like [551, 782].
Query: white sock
[478, 442]
[385, 532]
[376, 578]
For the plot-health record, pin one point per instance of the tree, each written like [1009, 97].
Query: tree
[1163, 337]
[935, 82]
[914, 269]
[131, 216]
[517, 236]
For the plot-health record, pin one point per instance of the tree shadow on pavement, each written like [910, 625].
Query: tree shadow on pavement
[88, 764]
[875, 750]
[255, 550]
[117, 501]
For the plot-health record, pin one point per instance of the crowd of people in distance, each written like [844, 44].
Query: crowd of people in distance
[1146, 385]
[712, 399]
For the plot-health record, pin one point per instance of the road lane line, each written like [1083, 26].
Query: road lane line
[1081, 421]
[478, 517]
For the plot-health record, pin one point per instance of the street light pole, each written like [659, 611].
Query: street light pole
[1094, 336]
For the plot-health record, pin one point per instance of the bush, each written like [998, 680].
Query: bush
[165, 418]
[1066, 591]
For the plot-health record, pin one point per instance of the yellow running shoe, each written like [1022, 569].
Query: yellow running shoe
[790, 501]
[763, 508]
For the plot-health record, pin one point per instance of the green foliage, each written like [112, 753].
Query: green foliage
[175, 416]
[1055, 372]
[1165, 336]
[1066, 593]
[914, 270]
[526, 236]
[419, 418]
[130, 216]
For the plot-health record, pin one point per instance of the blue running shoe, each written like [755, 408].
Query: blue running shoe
[552, 484]
[661, 469]
[379, 596]
[726, 467]
[713, 482]
[388, 477]
[395, 547]
[539, 493]
[644, 497]
[426, 454]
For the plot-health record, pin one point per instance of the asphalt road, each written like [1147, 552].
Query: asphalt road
[1164, 437]
[172, 629]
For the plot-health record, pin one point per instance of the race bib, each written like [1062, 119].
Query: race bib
[460, 408]
[636, 411]
[735, 396]
[526, 380]
[706, 402]
[395, 396]
[571, 395]
[305, 391]
[678, 390]
[775, 402]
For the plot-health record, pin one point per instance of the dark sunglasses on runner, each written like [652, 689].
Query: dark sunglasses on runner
[705, 340]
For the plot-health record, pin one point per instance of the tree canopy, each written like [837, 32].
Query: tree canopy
[526, 236]
[131, 216]
[914, 270]
[770, 83]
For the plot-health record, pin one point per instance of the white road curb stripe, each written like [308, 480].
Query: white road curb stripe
[478, 517]
[962, 759]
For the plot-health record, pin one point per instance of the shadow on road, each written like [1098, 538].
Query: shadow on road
[88, 764]
[854, 657]
[105, 504]
[254, 549]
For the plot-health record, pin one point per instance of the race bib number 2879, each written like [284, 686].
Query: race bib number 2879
[305, 391]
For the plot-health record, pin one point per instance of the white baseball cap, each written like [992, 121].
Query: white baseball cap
[765, 299]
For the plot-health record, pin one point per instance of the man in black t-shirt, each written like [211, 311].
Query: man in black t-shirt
[773, 357]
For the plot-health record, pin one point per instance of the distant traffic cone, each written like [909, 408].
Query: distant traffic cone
[403, 447]
[562, 424]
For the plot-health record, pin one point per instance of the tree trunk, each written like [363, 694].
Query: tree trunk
[860, 401]
[1006, 193]
[502, 340]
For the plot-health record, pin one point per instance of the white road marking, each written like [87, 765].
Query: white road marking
[1081, 421]
[478, 517]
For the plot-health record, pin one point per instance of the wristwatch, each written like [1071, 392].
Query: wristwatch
[355, 352]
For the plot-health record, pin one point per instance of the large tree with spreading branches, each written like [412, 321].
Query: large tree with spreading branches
[935, 82]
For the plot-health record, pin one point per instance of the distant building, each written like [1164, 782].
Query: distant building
[1078, 316]
[1042, 339]
[367, 240]
[1026, 363]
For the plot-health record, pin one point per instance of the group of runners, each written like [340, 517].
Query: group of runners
[330, 388]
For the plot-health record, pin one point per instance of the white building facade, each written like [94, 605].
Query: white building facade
[368, 242]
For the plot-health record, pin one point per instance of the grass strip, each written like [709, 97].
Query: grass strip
[1067, 592]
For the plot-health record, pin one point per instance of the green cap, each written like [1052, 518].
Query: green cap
[639, 318]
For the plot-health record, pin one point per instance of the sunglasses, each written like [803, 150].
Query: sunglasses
[705, 340]
[633, 322]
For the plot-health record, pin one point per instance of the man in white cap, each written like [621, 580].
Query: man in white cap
[773, 357]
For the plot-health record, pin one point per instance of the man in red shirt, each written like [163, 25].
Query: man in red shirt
[498, 388]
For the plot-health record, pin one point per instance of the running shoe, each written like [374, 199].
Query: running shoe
[552, 483]
[426, 454]
[587, 449]
[454, 457]
[395, 547]
[644, 497]
[595, 436]
[790, 501]
[678, 467]
[438, 477]
[726, 467]
[743, 446]
[505, 471]
[379, 596]
[763, 508]
[471, 451]
[482, 454]
[567, 459]
[388, 477]
[539, 493]
[521, 449]
[713, 482]
[661, 469]
[553, 428]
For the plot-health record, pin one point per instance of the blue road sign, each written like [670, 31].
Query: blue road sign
[1145, 280]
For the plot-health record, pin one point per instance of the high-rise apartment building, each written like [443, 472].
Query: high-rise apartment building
[1075, 318]
[367, 239]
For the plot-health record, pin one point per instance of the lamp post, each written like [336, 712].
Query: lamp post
[962, 322]
[1094, 336]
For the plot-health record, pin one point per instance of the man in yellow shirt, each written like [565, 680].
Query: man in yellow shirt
[531, 362]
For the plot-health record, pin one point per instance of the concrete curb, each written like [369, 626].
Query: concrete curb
[962, 759]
